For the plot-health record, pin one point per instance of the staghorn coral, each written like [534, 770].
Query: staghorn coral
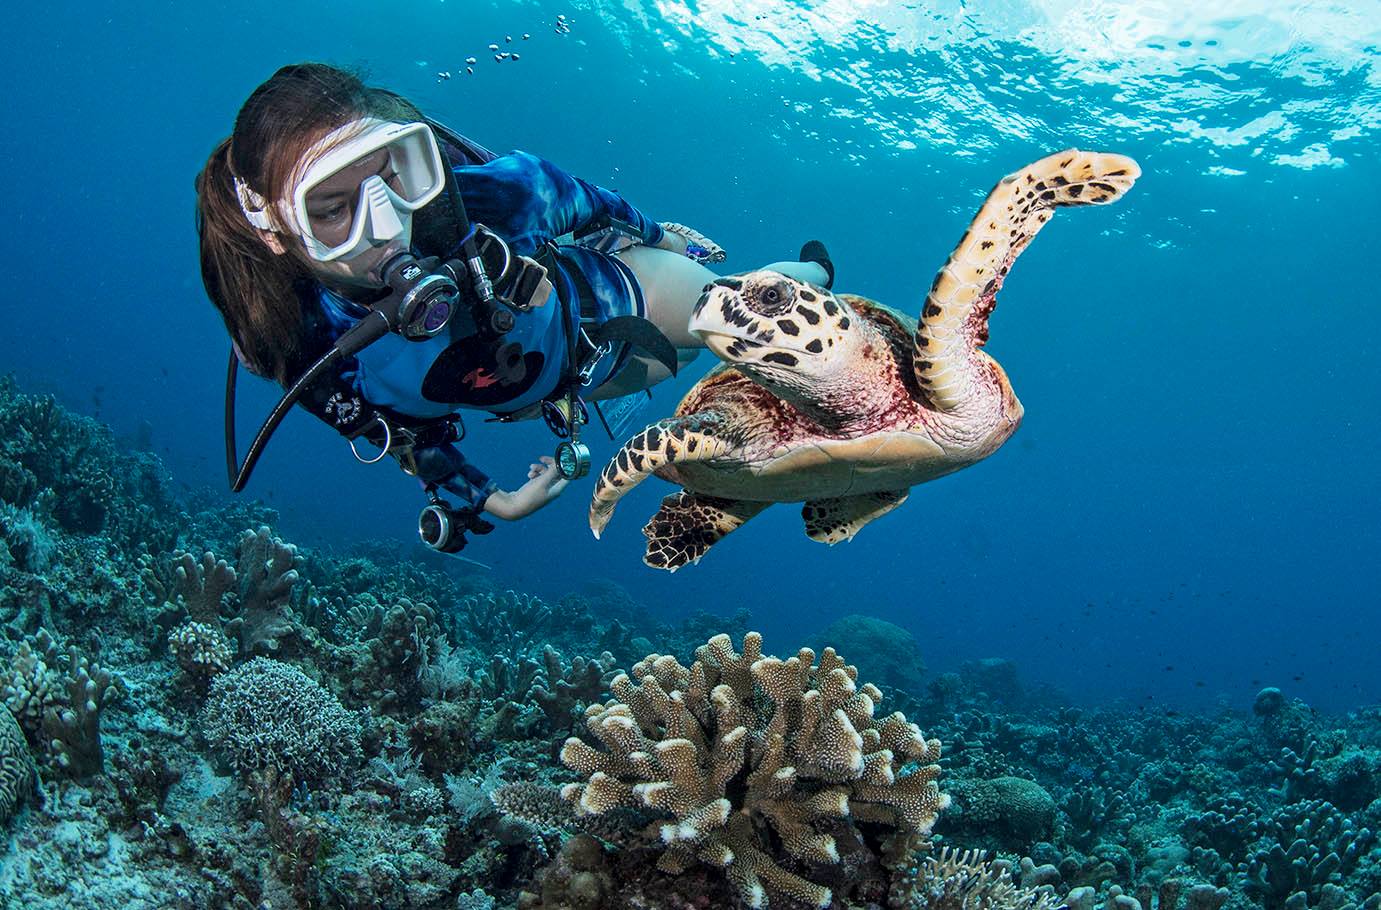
[267, 715]
[57, 698]
[753, 761]
[16, 766]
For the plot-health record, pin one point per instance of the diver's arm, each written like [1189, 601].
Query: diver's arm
[544, 484]
[530, 200]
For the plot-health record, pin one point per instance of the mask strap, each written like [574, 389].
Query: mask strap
[254, 206]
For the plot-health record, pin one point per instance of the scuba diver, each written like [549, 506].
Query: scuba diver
[390, 274]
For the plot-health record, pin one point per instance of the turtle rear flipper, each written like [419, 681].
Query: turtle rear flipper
[954, 320]
[833, 520]
[688, 524]
[687, 438]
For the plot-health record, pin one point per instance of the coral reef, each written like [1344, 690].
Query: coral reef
[741, 752]
[201, 714]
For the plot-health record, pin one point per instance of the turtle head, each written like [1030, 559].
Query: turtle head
[791, 337]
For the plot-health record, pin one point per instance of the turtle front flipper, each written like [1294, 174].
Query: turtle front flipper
[833, 520]
[690, 437]
[688, 524]
[954, 320]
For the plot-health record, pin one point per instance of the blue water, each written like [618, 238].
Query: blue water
[1190, 510]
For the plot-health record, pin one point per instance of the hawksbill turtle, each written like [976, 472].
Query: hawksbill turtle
[838, 401]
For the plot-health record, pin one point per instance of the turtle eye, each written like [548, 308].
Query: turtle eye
[771, 299]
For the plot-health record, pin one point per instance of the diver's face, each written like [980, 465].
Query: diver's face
[331, 209]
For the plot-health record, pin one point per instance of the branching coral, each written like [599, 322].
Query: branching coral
[268, 715]
[562, 691]
[200, 650]
[57, 698]
[202, 586]
[266, 570]
[753, 762]
[963, 880]
[506, 623]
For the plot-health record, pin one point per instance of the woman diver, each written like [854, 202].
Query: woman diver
[390, 273]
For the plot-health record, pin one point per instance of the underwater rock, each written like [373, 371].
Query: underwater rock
[1011, 811]
[993, 677]
[886, 653]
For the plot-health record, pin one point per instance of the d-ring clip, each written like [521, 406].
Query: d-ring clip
[383, 452]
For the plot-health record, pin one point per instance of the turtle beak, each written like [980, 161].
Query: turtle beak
[728, 327]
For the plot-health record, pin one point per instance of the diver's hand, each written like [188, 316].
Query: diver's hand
[544, 483]
[690, 243]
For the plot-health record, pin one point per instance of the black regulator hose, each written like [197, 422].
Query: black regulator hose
[368, 330]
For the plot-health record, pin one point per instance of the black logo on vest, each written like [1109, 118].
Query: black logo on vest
[474, 372]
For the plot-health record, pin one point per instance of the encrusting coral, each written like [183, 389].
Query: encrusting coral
[740, 753]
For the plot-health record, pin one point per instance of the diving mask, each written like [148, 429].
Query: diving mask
[359, 190]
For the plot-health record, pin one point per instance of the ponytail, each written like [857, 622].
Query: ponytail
[249, 284]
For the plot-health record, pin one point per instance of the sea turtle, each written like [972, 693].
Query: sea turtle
[836, 400]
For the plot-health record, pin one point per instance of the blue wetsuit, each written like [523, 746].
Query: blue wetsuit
[529, 202]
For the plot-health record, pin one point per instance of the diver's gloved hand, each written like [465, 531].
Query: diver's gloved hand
[698, 247]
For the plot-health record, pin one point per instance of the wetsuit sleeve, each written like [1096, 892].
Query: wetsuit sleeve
[445, 467]
[529, 201]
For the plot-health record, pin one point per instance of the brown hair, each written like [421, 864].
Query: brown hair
[253, 288]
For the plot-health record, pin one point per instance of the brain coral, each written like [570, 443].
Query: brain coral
[266, 714]
[16, 767]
